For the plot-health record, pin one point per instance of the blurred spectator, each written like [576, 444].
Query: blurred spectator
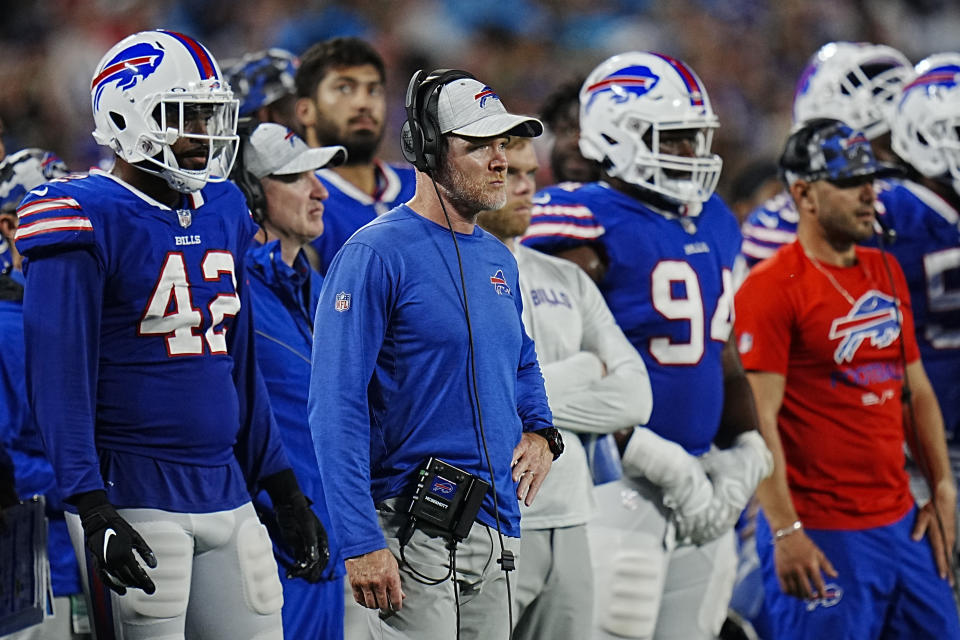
[747, 51]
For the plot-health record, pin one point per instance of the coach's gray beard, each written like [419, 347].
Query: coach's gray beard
[469, 197]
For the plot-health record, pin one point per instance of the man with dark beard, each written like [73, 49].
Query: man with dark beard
[400, 377]
[341, 101]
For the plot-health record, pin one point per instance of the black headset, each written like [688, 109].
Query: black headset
[796, 153]
[420, 137]
[248, 183]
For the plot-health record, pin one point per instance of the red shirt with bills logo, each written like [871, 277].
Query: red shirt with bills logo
[833, 333]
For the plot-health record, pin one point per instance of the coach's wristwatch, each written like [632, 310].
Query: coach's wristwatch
[554, 440]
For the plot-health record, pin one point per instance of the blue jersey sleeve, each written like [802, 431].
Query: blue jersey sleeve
[768, 227]
[61, 317]
[351, 322]
[558, 221]
[259, 447]
[532, 406]
[51, 221]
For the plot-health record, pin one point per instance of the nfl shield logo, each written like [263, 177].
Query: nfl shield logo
[342, 302]
[185, 217]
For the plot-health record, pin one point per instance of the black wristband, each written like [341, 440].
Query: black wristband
[282, 486]
[88, 500]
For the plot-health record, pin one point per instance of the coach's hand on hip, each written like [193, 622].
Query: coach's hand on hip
[532, 459]
[375, 578]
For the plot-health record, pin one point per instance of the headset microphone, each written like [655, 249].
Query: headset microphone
[886, 234]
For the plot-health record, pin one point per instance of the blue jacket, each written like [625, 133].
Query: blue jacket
[284, 303]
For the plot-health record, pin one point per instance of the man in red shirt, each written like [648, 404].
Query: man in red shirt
[828, 343]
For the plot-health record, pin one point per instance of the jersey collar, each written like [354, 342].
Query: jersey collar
[385, 176]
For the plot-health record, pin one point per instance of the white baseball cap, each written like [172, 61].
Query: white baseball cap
[467, 107]
[272, 149]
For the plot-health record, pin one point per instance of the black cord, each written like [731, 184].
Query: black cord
[456, 590]
[506, 559]
[906, 397]
[422, 578]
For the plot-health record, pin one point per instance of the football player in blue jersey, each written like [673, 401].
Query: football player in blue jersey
[140, 360]
[284, 290]
[925, 217]
[20, 172]
[667, 247]
[341, 100]
[263, 84]
[854, 82]
[402, 374]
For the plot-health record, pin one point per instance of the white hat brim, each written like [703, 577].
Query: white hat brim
[313, 159]
[501, 124]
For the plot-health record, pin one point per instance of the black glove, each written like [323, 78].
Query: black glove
[8, 490]
[112, 541]
[300, 529]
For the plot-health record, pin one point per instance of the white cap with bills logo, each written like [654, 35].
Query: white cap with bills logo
[275, 150]
[467, 107]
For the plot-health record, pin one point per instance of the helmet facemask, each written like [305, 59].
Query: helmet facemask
[202, 123]
[928, 137]
[856, 83]
[660, 165]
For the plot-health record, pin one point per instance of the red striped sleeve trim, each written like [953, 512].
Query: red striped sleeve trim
[52, 225]
[47, 204]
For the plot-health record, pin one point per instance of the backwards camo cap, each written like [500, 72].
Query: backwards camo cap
[826, 149]
[467, 107]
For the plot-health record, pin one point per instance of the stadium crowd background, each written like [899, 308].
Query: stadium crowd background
[748, 52]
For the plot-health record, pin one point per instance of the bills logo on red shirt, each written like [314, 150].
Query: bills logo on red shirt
[875, 316]
[342, 301]
[500, 283]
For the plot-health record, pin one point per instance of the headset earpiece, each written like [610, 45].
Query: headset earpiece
[420, 136]
[248, 183]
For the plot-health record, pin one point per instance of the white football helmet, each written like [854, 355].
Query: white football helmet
[926, 125]
[626, 105]
[22, 171]
[155, 87]
[855, 82]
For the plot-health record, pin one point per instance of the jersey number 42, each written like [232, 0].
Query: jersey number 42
[170, 311]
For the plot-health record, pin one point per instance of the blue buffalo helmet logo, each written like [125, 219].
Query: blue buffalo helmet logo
[624, 84]
[128, 68]
[875, 316]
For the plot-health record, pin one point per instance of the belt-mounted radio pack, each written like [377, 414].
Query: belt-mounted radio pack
[447, 498]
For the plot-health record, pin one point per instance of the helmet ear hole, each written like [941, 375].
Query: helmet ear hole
[118, 120]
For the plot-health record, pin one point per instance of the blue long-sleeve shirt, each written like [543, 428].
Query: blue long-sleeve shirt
[391, 382]
[139, 347]
[19, 435]
[284, 303]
